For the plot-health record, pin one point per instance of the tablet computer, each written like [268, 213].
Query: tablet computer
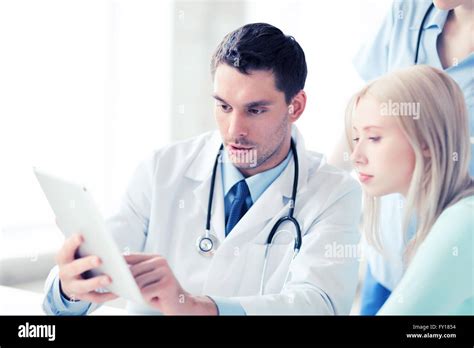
[76, 212]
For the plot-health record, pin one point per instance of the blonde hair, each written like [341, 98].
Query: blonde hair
[441, 129]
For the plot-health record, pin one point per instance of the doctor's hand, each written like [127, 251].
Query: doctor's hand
[161, 289]
[72, 284]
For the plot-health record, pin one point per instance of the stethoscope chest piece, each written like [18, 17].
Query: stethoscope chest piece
[207, 244]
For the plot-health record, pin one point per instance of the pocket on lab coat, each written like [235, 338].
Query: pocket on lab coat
[278, 261]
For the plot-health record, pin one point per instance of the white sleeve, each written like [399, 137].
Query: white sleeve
[55, 304]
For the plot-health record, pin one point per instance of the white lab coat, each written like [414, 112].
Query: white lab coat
[164, 212]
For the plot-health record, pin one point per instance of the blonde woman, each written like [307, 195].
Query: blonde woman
[437, 33]
[409, 135]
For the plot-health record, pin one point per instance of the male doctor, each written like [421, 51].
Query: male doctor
[259, 75]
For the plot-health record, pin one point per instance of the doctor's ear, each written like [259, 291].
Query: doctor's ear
[297, 106]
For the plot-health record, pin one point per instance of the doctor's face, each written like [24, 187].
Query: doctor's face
[253, 118]
[382, 155]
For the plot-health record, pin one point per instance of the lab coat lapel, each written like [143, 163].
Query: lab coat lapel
[201, 192]
[303, 165]
[201, 170]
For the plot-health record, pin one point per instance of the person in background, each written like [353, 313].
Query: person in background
[423, 154]
[438, 33]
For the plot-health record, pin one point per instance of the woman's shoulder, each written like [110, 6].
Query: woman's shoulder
[443, 259]
[455, 223]
[460, 213]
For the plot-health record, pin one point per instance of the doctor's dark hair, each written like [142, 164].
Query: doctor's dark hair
[261, 46]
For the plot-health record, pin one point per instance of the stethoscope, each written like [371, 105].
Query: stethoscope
[418, 40]
[208, 243]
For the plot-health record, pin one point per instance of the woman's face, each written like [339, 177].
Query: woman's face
[382, 155]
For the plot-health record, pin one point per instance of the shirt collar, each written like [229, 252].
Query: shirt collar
[437, 18]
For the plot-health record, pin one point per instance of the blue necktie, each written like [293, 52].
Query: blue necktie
[238, 207]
